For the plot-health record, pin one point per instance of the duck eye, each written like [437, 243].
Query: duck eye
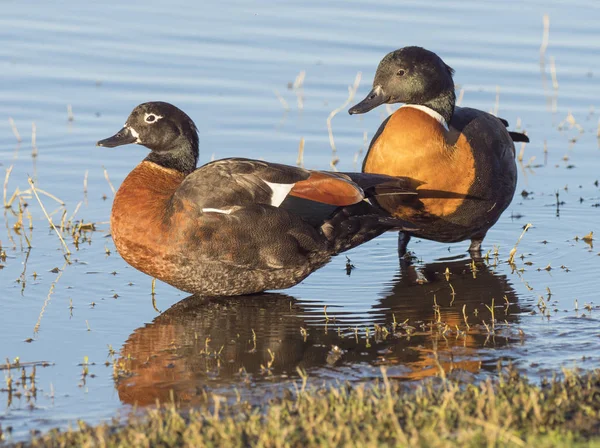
[401, 72]
[150, 118]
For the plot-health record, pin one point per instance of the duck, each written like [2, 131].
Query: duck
[233, 226]
[461, 160]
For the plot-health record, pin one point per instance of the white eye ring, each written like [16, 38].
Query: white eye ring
[151, 118]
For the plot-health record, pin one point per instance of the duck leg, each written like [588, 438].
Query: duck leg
[403, 239]
[475, 247]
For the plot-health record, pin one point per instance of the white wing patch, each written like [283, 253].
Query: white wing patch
[216, 210]
[432, 113]
[280, 192]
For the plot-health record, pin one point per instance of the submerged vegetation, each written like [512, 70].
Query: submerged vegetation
[507, 411]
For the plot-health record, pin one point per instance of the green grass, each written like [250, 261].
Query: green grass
[507, 411]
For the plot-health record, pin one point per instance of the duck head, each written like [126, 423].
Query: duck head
[166, 130]
[411, 75]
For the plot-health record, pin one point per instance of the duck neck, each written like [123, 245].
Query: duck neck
[181, 156]
[443, 104]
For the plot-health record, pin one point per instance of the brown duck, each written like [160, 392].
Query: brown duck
[233, 226]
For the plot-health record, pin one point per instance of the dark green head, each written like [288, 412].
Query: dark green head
[411, 75]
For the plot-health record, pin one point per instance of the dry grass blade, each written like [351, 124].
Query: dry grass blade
[502, 432]
[351, 92]
[553, 73]
[34, 150]
[521, 152]
[44, 192]
[8, 171]
[36, 328]
[513, 251]
[75, 212]
[545, 36]
[21, 364]
[365, 142]
[13, 126]
[33, 189]
[333, 163]
[299, 81]
[389, 399]
[50, 195]
[589, 237]
[571, 122]
[282, 100]
[497, 102]
[461, 95]
[154, 304]
[297, 86]
[108, 180]
[300, 159]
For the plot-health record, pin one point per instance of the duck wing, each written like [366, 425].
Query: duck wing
[463, 115]
[227, 184]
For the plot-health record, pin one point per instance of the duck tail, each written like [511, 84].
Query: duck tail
[518, 137]
[356, 224]
[515, 136]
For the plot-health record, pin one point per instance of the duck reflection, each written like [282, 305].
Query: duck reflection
[201, 341]
[448, 305]
[418, 327]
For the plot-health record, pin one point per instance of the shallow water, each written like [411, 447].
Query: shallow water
[92, 321]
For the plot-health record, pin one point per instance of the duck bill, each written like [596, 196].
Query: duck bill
[123, 137]
[376, 97]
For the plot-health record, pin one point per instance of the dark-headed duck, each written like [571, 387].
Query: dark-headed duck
[233, 226]
[462, 160]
